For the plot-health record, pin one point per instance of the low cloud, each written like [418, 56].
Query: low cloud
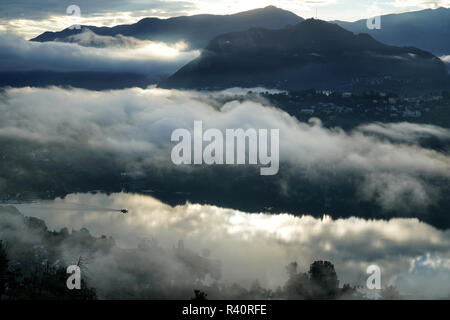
[406, 131]
[426, 275]
[117, 54]
[87, 38]
[258, 246]
[130, 131]
[446, 59]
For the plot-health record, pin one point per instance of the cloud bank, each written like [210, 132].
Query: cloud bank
[258, 246]
[386, 163]
[117, 54]
[87, 38]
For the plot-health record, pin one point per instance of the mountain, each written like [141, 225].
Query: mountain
[197, 30]
[313, 53]
[426, 29]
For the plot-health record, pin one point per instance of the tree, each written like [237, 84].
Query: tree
[3, 268]
[324, 280]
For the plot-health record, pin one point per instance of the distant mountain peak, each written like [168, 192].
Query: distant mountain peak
[427, 29]
[197, 30]
[270, 8]
[273, 8]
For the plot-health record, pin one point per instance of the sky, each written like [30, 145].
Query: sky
[31, 17]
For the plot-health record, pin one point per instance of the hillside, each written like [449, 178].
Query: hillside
[425, 29]
[312, 54]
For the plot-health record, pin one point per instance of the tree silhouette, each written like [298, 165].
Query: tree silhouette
[321, 282]
[3, 268]
[199, 295]
[324, 279]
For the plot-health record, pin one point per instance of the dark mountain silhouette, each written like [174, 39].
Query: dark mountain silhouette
[197, 30]
[425, 29]
[313, 53]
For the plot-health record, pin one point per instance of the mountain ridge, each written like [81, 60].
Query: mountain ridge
[198, 30]
[313, 53]
[427, 29]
